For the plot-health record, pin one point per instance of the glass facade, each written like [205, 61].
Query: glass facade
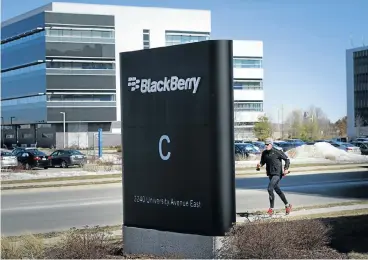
[17, 82]
[25, 110]
[146, 39]
[248, 106]
[361, 87]
[248, 85]
[250, 63]
[24, 50]
[181, 37]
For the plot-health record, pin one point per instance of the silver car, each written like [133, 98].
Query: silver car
[8, 160]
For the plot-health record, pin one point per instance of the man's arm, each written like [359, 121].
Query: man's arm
[262, 162]
[284, 157]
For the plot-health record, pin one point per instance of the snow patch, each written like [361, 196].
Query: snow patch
[326, 151]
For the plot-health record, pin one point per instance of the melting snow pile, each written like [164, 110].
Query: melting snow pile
[324, 150]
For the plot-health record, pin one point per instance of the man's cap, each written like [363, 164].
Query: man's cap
[268, 141]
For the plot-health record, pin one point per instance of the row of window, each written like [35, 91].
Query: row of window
[248, 85]
[60, 65]
[10, 127]
[185, 37]
[80, 65]
[23, 40]
[43, 135]
[146, 39]
[247, 63]
[248, 106]
[21, 101]
[79, 33]
[81, 97]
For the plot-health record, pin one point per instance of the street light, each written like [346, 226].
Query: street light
[63, 126]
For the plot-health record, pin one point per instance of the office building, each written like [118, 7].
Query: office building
[357, 91]
[248, 87]
[59, 62]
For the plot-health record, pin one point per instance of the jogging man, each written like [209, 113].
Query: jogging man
[273, 160]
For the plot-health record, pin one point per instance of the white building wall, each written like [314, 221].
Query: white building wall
[130, 22]
[249, 49]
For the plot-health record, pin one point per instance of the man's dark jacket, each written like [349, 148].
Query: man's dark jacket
[273, 160]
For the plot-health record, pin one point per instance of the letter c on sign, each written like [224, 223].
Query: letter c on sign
[167, 156]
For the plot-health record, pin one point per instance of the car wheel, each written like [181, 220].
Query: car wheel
[64, 164]
[45, 168]
[27, 166]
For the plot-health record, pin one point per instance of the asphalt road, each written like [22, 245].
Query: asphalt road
[53, 209]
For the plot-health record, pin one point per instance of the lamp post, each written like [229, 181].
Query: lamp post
[63, 128]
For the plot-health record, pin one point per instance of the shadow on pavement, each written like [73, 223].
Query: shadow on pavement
[348, 185]
[349, 234]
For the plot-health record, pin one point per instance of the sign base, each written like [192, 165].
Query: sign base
[169, 244]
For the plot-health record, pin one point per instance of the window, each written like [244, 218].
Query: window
[44, 126]
[27, 135]
[80, 65]
[44, 135]
[25, 126]
[248, 106]
[248, 85]
[247, 62]
[174, 38]
[9, 136]
[80, 33]
[146, 39]
[81, 97]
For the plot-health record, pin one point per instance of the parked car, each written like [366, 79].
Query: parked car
[286, 146]
[346, 147]
[67, 157]
[19, 150]
[33, 158]
[295, 142]
[362, 145]
[8, 160]
[246, 149]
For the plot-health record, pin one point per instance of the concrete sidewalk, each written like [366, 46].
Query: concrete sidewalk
[302, 212]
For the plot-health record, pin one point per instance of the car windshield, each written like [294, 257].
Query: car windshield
[6, 154]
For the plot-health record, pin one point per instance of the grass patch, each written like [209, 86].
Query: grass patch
[60, 185]
[72, 178]
[323, 238]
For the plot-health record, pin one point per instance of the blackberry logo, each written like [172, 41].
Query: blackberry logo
[133, 83]
[167, 84]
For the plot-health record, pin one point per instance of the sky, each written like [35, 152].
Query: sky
[305, 42]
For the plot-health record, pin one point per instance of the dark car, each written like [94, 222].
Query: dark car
[66, 158]
[32, 158]
[362, 145]
[286, 146]
[19, 150]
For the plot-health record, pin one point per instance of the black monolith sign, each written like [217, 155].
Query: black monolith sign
[178, 141]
